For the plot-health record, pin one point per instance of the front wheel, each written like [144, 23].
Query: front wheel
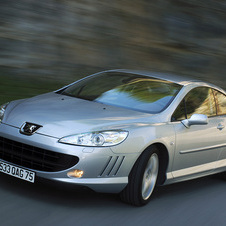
[142, 178]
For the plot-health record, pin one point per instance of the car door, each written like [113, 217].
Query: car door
[196, 147]
[221, 120]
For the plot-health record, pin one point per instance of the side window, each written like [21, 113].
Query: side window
[198, 101]
[220, 102]
[180, 113]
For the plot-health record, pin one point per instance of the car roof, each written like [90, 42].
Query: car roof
[182, 80]
[178, 79]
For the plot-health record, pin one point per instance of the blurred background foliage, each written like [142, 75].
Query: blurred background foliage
[46, 44]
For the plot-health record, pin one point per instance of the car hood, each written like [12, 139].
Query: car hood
[61, 115]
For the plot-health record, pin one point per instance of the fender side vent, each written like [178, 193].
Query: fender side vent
[112, 166]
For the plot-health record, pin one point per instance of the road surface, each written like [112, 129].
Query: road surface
[197, 202]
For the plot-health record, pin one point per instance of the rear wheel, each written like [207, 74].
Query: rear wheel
[142, 178]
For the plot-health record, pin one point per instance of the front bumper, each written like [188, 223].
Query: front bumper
[104, 171]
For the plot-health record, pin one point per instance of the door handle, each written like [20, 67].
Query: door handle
[220, 126]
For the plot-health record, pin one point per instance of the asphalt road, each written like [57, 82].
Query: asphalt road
[197, 202]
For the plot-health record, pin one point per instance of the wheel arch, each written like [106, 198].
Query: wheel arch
[133, 192]
[163, 161]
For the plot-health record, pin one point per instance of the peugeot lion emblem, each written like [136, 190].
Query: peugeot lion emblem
[29, 128]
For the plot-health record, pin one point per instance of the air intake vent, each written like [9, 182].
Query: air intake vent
[112, 166]
[35, 158]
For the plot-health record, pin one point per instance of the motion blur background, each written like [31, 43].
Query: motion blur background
[46, 44]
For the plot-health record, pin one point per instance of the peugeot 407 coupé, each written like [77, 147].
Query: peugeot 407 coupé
[117, 131]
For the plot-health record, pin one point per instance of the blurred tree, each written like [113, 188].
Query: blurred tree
[65, 40]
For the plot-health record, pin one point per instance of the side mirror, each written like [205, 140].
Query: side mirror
[196, 119]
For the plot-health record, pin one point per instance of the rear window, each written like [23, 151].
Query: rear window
[131, 91]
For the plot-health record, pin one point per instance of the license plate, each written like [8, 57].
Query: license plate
[17, 172]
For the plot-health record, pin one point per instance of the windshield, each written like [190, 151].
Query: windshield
[132, 91]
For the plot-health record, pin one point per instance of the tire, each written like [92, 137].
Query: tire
[142, 178]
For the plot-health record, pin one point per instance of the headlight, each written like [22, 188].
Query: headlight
[2, 111]
[98, 139]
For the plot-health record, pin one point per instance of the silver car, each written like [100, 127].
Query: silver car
[117, 131]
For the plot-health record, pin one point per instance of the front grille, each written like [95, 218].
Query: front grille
[35, 158]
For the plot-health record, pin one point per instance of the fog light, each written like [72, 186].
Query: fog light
[75, 173]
